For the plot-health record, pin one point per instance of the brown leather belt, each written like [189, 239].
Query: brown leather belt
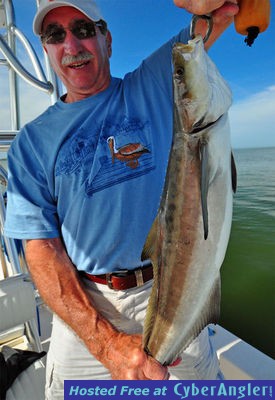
[124, 279]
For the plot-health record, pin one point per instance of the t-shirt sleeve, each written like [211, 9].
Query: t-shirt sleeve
[31, 208]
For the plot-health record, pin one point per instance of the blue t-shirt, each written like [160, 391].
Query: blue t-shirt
[92, 171]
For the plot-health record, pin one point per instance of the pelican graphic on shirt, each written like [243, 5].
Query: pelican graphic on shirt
[128, 153]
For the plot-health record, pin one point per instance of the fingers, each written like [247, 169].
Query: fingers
[153, 370]
[201, 7]
[150, 370]
[127, 360]
[228, 10]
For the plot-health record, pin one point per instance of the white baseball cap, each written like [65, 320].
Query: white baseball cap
[87, 7]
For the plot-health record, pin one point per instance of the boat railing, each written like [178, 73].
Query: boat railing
[6, 138]
[8, 49]
[13, 249]
[10, 36]
[40, 83]
[17, 291]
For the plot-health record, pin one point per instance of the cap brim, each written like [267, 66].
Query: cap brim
[39, 17]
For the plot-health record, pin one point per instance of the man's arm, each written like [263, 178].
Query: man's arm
[57, 281]
[222, 11]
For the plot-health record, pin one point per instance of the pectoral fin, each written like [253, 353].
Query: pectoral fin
[233, 173]
[204, 186]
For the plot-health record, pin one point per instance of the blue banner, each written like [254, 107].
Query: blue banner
[170, 390]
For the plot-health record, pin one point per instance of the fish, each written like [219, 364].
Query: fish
[189, 237]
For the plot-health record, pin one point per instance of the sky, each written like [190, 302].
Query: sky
[141, 26]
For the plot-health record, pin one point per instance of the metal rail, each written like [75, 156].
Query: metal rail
[9, 33]
[13, 250]
[6, 138]
[8, 48]
[19, 68]
[10, 244]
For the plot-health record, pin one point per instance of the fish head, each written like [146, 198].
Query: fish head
[190, 83]
[201, 95]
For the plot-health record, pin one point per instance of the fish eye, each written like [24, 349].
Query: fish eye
[180, 71]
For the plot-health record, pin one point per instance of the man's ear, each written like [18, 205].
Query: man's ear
[109, 43]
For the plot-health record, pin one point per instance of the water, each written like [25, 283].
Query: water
[248, 272]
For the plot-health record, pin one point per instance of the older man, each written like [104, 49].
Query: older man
[85, 209]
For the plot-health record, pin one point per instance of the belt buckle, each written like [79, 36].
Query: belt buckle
[109, 281]
[119, 273]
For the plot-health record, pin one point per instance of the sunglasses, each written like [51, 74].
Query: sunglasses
[81, 29]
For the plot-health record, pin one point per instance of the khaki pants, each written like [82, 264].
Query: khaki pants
[68, 358]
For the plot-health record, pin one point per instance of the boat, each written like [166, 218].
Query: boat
[25, 320]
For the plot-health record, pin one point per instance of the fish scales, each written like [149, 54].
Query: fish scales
[189, 237]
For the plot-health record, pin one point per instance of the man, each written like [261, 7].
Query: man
[85, 179]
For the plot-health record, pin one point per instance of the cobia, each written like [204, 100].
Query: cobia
[189, 237]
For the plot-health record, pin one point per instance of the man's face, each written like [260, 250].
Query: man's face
[81, 64]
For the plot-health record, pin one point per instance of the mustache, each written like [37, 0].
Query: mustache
[69, 59]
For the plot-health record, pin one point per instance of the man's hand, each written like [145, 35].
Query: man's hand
[222, 12]
[201, 7]
[60, 286]
[125, 359]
